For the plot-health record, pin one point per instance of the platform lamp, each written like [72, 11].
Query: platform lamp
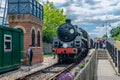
[105, 25]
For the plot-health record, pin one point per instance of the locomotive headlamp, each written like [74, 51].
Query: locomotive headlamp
[65, 45]
[74, 50]
[72, 31]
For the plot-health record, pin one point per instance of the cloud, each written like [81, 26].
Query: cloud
[91, 13]
[98, 31]
[59, 1]
[92, 2]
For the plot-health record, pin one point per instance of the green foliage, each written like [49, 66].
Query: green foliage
[37, 0]
[115, 33]
[82, 65]
[105, 36]
[48, 54]
[53, 18]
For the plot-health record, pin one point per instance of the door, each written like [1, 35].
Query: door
[1, 48]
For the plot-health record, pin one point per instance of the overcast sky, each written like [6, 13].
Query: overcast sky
[91, 14]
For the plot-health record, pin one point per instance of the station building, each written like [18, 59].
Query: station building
[28, 17]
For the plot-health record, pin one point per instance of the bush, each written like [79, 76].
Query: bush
[82, 65]
[48, 54]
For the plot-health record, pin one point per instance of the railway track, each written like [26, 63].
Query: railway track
[49, 73]
[66, 70]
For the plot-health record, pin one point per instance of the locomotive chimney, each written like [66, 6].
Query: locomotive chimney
[75, 26]
[68, 21]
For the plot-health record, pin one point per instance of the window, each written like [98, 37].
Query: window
[38, 38]
[33, 38]
[7, 43]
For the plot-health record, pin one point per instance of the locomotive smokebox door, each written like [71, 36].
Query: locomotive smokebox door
[67, 32]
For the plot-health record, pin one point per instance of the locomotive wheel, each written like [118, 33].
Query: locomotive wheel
[59, 59]
[76, 60]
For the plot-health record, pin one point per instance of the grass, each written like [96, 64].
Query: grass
[48, 54]
[82, 65]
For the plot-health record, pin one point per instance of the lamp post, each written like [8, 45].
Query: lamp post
[106, 25]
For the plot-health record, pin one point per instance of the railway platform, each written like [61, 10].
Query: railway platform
[103, 64]
[104, 69]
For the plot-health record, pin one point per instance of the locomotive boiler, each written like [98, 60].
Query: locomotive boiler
[71, 43]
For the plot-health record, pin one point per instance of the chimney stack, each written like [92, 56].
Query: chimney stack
[68, 21]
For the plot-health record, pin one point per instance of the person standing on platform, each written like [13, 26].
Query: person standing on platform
[30, 55]
[104, 45]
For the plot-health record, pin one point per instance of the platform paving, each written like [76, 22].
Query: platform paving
[105, 71]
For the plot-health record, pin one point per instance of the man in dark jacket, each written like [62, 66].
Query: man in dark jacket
[30, 55]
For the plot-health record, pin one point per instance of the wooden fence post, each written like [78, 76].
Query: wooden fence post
[115, 57]
[118, 61]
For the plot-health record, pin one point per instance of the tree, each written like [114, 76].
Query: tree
[37, 0]
[105, 36]
[115, 33]
[53, 18]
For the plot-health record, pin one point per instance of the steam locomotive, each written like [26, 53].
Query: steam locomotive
[72, 42]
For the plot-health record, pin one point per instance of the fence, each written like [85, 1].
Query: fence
[47, 47]
[87, 73]
[114, 55]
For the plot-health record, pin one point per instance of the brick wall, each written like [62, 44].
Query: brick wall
[27, 23]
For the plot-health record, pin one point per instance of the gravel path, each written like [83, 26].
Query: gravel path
[24, 70]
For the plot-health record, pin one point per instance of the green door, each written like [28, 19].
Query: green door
[21, 44]
[7, 55]
[1, 48]
[16, 48]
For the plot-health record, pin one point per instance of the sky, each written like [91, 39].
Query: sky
[2, 6]
[95, 16]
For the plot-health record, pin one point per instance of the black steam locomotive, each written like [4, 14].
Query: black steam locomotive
[72, 42]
